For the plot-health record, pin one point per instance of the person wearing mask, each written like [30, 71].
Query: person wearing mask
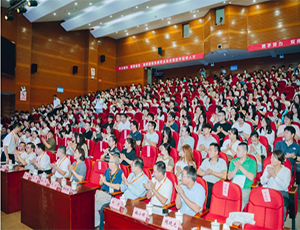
[50, 144]
[124, 124]
[159, 189]
[135, 134]
[242, 171]
[186, 159]
[42, 163]
[190, 194]
[171, 122]
[185, 139]
[110, 182]
[30, 156]
[97, 135]
[10, 143]
[165, 150]
[222, 127]
[257, 149]
[205, 139]
[212, 169]
[151, 137]
[243, 128]
[87, 133]
[128, 154]
[290, 148]
[77, 171]
[230, 145]
[112, 150]
[132, 186]
[60, 168]
[277, 176]
[168, 138]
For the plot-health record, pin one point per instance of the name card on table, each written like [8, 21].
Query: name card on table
[66, 189]
[171, 223]
[35, 178]
[26, 175]
[54, 185]
[140, 214]
[4, 168]
[116, 204]
[266, 195]
[45, 182]
[225, 188]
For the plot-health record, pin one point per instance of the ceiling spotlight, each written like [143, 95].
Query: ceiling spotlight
[91, 3]
[32, 3]
[137, 26]
[125, 30]
[126, 33]
[69, 13]
[175, 26]
[136, 7]
[100, 23]
[89, 24]
[110, 16]
[21, 10]
[122, 15]
[194, 15]
[133, 36]
[153, 31]
[146, 28]
[169, 22]
[116, 32]
[147, 7]
[54, 14]
[75, 3]
[9, 17]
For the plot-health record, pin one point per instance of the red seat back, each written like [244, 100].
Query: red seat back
[89, 166]
[91, 146]
[98, 169]
[175, 135]
[203, 183]
[149, 156]
[160, 124]
[147, 173]
[173, 178]
[125, 170]
[138, 116]
[71, 158]
[65, 141]
[100, 146]
[81, 130]
[123, 135]
[159, 138]
[197, 157]
[216, 137]
[196, 137]
[175, 155]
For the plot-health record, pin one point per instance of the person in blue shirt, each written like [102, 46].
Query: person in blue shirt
[135, 134]
[290, 148]
[190, 194]
[171, 122]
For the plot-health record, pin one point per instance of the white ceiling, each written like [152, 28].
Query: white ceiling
[122, 18]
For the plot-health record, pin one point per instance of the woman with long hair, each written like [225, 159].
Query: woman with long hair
[78, 168]
[230, 145]
[128, 154]
[296, 112]
[186, 159]
[252, 116]
[165, 150]
[168, 138]
[200, 122]
[267, 131]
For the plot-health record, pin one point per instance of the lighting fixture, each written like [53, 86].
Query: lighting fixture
[169, 22]
[75, 3]
[91, 3]
[54, 14]
[32, 3]
[110, 16]
[21, 10]
[9, 17]
[69, 13]
[136, 7]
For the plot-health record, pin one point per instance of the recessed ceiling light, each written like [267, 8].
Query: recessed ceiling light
[122, 15]
[194, 15]
[89, 24]
[254, 0]
[54, 14]
[169, 22]
[69, 13]
[147, 7]
[224, 2]
[229, 2]
[91, 3]
[136, 7]
[126, 33]
[125, 30]
[137, 26]
[197, 11]
[175, 26]
[75, 3]
[146, 28]
[153, 31]
[162, 19]
[110, 16]
[116, 32]
[133, 36]
[100, 23]
[146, 24]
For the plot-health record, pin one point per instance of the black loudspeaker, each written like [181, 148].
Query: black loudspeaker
[160, 51]
[102, 58]
[33, 68]
[75, 69]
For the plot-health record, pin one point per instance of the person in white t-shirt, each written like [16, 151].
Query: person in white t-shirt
[124, 124]
[11, 142]
[60, 168]
[160, 188]
[26, 138]
[243, 128]
[56, 103]
[42, 162]
[151, 138]
[98, 104]
[229, 146]
[21, 152]
[30, 156]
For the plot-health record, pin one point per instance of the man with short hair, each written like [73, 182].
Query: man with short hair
[112, 150]
[212, 169]
[135, 134]
[151, 138]
[60, 168]
[290, 148]
[171, 122]
[124, 124]
[205, 139]
[160, 188]
[242, 171]
[30, 156]
[150, 117]
[26, 138]
[42, 162]
[288, 119]
[190, 194]
[222, 127]
[132, 187]
[50, 144]
[56, 104]
[110, 121]
[88, 134]
[21, 152]
[10, 143]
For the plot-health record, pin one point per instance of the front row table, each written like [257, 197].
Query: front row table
[46, 208]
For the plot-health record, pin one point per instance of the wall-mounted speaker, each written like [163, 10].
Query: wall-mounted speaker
[75, 69]
[159, 51]
[33, 68]
[219, 46]
[102, 58]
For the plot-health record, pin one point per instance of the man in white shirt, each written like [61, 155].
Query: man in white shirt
[151, 138]
[98, 102]
[26, 138]
[205, 140]
[150, 117]
[30, 156]
[11, 142]
[124, 124]
[243, 128]
[60, 168]
[160, 188]
[56, 103]
[288, 119]
[21, 152]
[42, 162]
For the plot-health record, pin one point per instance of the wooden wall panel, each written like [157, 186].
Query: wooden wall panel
[136, 76]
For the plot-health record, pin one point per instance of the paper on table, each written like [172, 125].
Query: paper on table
[239, 180]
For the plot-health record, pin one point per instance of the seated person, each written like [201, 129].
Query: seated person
[230, 145]
[212, 169]
[60, 168]
[50, 144]
[97, 135]
[185, 139]
[165, 157]
[168, 138]
[22, 153]
[186, 159]
[290, 148]
[110, 182]
[267, 132]
[77, 171]
[128, 154]
[257, 149]
[222, 127]
[243, 128]
[288, 119]
[150, 117]
[30, 156]
[27, 137]
[87, 133]
[124, 124]
[112, 150]
[135, 134]
[277, 176]
[171, 122]
[151, 138]
[132, 187]
[42, 163]
[243, 171]
[110, 121]
[205, 140]
[160, 188]
[190, 194]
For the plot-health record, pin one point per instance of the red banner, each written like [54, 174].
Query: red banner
[275, 44]
[161, 62]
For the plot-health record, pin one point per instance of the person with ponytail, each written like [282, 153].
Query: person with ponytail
[128, 154]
